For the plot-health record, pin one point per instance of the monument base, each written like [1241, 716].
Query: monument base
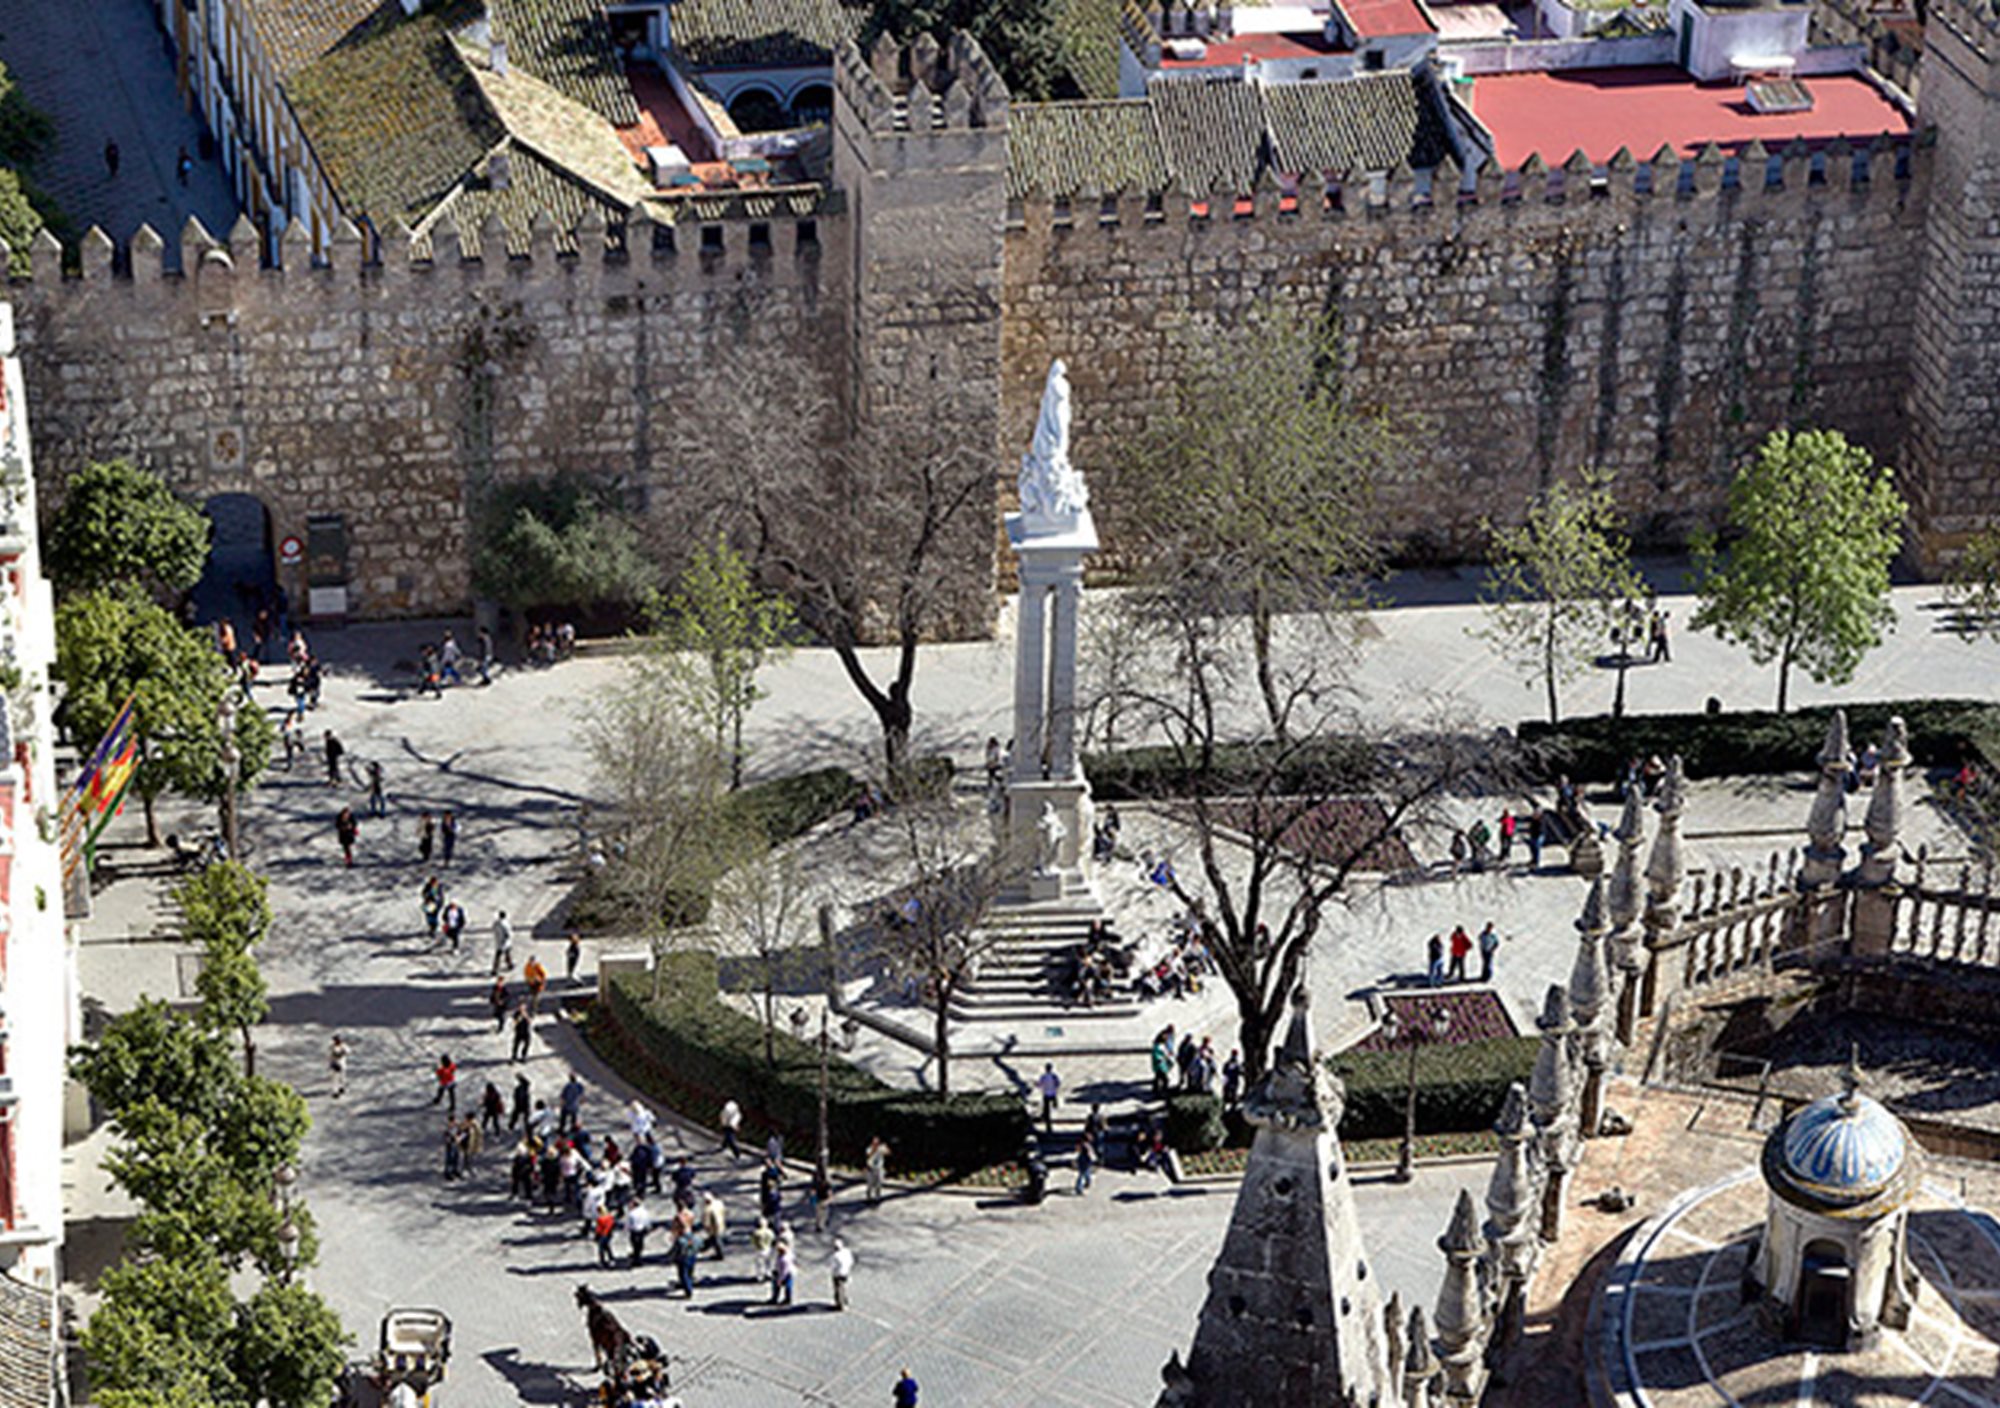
[1070, 877]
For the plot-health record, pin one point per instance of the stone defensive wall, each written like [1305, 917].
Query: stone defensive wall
[1657, 318]
[388, 385]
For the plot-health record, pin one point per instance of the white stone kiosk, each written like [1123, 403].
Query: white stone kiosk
[1049, 816]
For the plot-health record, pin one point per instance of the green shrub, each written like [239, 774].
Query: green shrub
[1459, 1087]
[1943, 733]
[1194, 1122]
[1135, 774]
[691, 1051]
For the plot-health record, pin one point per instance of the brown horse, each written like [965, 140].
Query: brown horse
[609, 1340]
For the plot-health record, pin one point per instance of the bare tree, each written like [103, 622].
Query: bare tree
[872, 534]
[934, 924]
[1259, 482]
[1280, 825]
[763, 907]
[674, 833]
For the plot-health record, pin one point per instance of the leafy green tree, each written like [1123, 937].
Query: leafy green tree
[197, 1196]
[288, 1348]
[20, 221]
[1255, 493]
[725, 628]
[1804, 579]
[1560, 581]
[115, 643]
[118, 523]
[233, 996]
[154, 1054]
[227, 902]
[1022, 37]
[262, 1126]
[161, 1336]
[1972, 586]
[558, 542]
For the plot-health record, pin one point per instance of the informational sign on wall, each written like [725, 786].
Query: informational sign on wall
[326, 550]
[291, 550]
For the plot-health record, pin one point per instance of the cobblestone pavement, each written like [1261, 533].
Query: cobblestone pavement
[102, 70]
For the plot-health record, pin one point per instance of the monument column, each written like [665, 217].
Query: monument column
[1030, 648]
[1068, 596]
[1048, 813]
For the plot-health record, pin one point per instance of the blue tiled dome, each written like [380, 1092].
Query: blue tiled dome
[1845, 1148]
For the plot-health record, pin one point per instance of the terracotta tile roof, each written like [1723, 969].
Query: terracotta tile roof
[1368, 123]
[567, 44]
[1064, 147]
[395, 115]
[763, 33]
[1200, 137]
[293, 33]
[534, 184]
[27, 1345]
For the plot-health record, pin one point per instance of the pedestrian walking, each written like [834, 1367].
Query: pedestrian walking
[1662, 652]
[473, 1140]
[449, 654]
[1050, 1084]
[819, 1198]
[762, 1241]
[841, 1263]
[638, 1222]
[453, 920]
[684, 1183]
[378, 800]
[347, 831]
[1461, 949]
[784, 1267]
[518, 1115]
[1489, 944]
[1086, 1162]
[492, 1105]
[572, 954]
[454, 1148]
[111, 156]
[524, 1032]
[336, 1064]
[906, 1392]
[877, 1164]
[537, 978]
[485, 655]
[605, 1224]
[503, 943]
[686, 1252]
[1536, 824]
[335, 751]
[498, 999]
[1163, 1061]
[1507, 826]
[448, 833]
[447, 1083]
[1435, 960]
[714, 1223]
[432, 903]
[521, 1172]
[1232, 1080]
[731, 1120]
[426, 837]
[571, 1104]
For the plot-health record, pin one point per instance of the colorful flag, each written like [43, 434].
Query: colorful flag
[94, 798]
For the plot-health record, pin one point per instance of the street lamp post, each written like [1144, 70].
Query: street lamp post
[825, 1045]
[232, 765]
[1412, 1034]
[1626, 632]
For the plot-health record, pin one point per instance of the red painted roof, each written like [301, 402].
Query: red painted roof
[1230, 53]
[1383, 19]
[1600, 110]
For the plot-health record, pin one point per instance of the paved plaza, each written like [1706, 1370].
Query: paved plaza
[986, 1300]
[101, 70]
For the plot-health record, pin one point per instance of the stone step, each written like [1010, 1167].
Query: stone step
[1015, 1011]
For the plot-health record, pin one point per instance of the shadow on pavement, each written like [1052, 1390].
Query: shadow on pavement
[532, 1383]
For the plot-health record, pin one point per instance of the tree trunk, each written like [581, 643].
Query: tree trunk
[1267, 684]
[152, 822]
[942, 1033]
[1549, 667]
[1256, 1029]
[736, 752]
[249, 1053]
[1784, 678]
[770, 1015]
[894, 714]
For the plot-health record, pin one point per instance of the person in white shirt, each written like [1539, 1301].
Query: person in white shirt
[638, 1222]
[642, 1122]
[731, 1120]
[842, 1262]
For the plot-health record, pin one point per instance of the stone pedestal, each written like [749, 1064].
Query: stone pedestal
[1070, 876]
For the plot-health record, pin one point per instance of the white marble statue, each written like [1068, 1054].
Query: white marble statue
[1052, 832]
[1052, 491]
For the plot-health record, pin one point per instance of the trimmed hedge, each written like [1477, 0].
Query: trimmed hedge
[692, 1051]
[791, 806]
[1943, 733]
[1459, 1087]
[1138, 774]
[1194, 1122]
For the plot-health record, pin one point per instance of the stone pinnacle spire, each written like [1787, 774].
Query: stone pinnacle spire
[1292, 1315]
[1827, 822]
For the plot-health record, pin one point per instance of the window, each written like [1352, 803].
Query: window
[711, 239]
[808, 237]
[760, 238]
[1372, 60]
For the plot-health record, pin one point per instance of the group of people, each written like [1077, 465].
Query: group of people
[1187, 961]
[1193, 1064]
[1459, 947]
[550, 641]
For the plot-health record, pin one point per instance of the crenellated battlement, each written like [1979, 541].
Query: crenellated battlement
[921, 87]
[705, 237]
[1886, 166]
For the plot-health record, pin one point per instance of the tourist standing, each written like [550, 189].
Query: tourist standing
[537, 978]
[378, 800]
[842, 1265]
[714, 1223]
[335, 750]
[447, 1083]
[762, 1240]
[731, 1120]
[518, 1115]
[1489, 944]
[906, 1392]
[426, 837]
[784, 1267]
[503, 943]
[877, 1164]
[1232, 1079]
[524, 1030]
[433, 906]
[448, 833]
[572, 954]
[1461, 949]
[336, 1064]
[638, 1222]
[1050, 1084]
[492, 1105]
[347, 831]
[571, 1104]
[1086, 1162]
[453, 919]
[1434, 956]
[1507, 825]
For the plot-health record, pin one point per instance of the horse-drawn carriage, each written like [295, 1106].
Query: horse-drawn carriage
[409, 1362]
[633, 1367]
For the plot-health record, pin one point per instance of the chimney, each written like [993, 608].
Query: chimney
[496, 57]
[500, 170]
